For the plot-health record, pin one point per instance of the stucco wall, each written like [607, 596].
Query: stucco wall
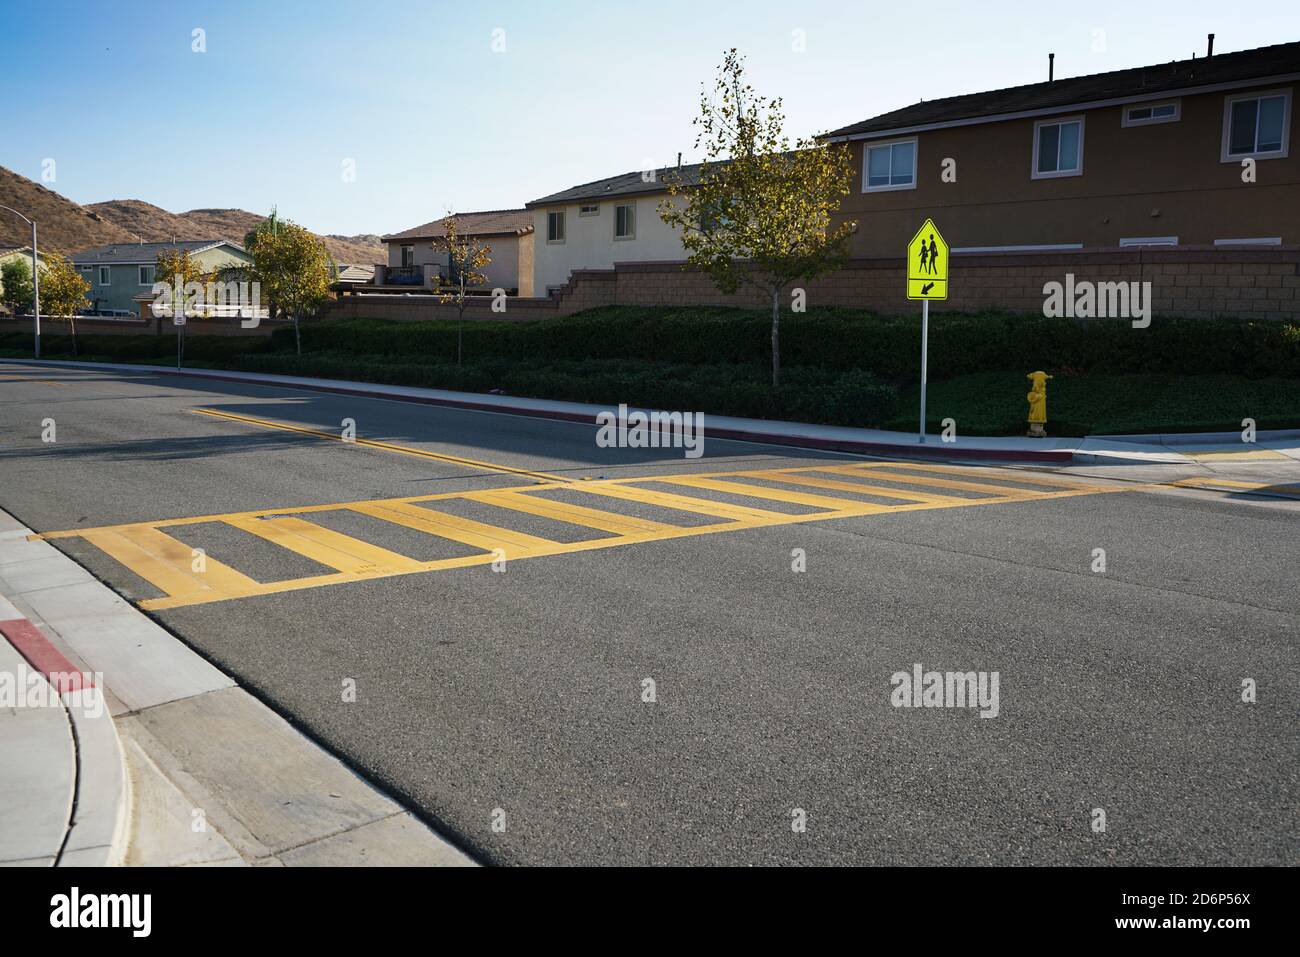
[589, 241]
[505, 271]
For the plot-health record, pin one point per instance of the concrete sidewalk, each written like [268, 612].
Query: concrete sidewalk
[1092, 450]
[178, 765]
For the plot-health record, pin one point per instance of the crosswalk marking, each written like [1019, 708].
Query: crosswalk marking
[573, 514]
[323, 545]
[778, 494]
[165, 561]
[464, 530]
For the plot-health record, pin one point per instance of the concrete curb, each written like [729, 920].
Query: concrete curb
[167, 724]
[98, 800]
[791, 434]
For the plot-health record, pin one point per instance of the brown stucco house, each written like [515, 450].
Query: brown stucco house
[413, 260]
[1151, 156]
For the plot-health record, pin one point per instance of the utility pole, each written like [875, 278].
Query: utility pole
[36, 279]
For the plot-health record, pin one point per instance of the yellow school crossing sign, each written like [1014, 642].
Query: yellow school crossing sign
[927, 264]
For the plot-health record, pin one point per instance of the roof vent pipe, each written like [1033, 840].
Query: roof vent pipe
[1209, 49]
[1051, 66]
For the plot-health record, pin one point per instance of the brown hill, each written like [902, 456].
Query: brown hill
[157, 225]
[62, 226]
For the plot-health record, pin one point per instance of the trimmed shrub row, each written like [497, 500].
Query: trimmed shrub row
[888, 346]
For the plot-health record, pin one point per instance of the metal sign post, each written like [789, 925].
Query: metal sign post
[927, 278]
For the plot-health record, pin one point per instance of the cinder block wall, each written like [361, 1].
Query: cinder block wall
[1196, 282]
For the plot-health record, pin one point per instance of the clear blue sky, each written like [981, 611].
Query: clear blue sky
[434, 119]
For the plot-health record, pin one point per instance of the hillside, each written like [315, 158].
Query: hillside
[66, 227]
[154, 224]
[62, 225]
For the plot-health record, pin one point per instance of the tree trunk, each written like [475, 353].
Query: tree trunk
[73, 321]
[776, 338]
[297, 335]
[460, 331]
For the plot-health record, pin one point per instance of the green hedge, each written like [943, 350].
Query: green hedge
[888, 346]
[135, 348]
[852, 397]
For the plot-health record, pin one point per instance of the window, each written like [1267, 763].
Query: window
[625, 221]
[1058, 148]
[555, 226]
[146, 275]
[1263, 241]
[889, 166]
[1258, 125]
[103, 276]
[1150, 241]
[592, 209]
[1151, 113]
[408, 256]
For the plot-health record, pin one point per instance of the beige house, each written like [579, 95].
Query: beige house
[597, 224]
[413, 260]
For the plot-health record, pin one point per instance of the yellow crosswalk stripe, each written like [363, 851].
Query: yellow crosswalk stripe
[167, 564]
[683, 503]
[998, 490]
[323, 545]
[463, 530]
[777, 494]
[1275, 490]
[1012, 476]
[802, 478]
[573, 514]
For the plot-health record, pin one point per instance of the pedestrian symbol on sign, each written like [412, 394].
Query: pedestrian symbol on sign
[927, 264]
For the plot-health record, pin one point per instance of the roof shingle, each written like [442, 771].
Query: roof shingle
[491, 222]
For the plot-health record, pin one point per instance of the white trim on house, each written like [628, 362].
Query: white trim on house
[105, 276]
[1028, 248]
[890, 144]
[589, 209]
[1266, 241]
[1058, 172]
[1152, 120]
[1065, 108]
[629, 218]
[1149, 241]
[140, 275]
[559, 232]
[1226, 157]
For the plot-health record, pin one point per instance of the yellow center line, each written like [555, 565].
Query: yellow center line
[385, 446]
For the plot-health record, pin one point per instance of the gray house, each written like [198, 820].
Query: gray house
[119, 272]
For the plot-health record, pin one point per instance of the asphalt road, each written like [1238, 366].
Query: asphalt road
[522, 690]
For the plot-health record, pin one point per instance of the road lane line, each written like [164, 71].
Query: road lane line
[778, 494]
[384, 446]
[904, 478]
[1288, 491]
[683, 503]
[862, 488]
[325, 546]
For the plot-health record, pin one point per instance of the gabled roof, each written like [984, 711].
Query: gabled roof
[625, 184]
[1145, 81]
[490, 222]
[125, 254]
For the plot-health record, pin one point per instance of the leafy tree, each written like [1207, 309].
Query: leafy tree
[293, 267]
[465, 257]
[760, 213]
[63, 291]
[16, 285]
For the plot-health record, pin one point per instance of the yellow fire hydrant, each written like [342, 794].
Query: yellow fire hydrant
[1037, 404]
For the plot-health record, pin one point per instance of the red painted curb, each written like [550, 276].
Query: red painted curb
[742, 435]
[62, 674]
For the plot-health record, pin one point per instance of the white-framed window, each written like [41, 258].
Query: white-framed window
[408, 256]
[1256, 125]
[589, 209]
[1149, 241]
[1260, 241]
[1147, 113]
[555, 226]
[625, 221]
[889, 165]
[104, 274]
[1058, 148]
[146, 275]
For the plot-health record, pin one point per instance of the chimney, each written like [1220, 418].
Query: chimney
[679, 159]
[1209, 48]
[1051, 66]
